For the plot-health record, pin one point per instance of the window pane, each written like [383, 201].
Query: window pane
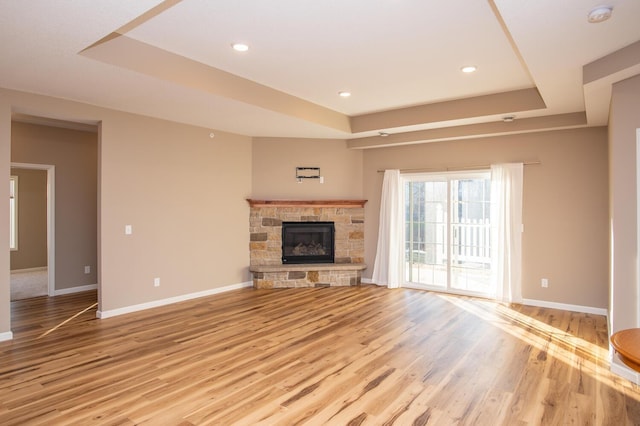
[425, 232]
[471, 242]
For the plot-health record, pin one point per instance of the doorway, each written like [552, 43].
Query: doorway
[31, 277]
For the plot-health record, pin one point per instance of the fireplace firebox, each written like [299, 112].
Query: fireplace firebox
[308, 242]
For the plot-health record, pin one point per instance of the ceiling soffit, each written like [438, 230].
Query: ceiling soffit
[132, 54]
[435, 121]
[599, 76]
[469, 131]
[126, 52]
[477, 106]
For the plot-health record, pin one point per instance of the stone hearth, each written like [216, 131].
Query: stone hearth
[265, 224]
[307, 275]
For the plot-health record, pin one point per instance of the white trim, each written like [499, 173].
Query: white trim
[7, 335]
[626, 372]
[565, 307]
[170, 300]
[36, 269]
[14, 213]
[529, 302]
[77, 289]
[51, 218]
[370, 281]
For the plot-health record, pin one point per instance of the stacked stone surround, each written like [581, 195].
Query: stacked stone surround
[307, 275]
[265, 225]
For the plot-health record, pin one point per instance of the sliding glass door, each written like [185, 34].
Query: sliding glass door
[426, 232]
[448, 232]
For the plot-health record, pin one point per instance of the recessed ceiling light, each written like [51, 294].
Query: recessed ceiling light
[344, 94]
[599, 14]
[468, 69]
[240, 47]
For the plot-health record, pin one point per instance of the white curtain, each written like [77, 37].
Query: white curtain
[387, 268]
[506, 223]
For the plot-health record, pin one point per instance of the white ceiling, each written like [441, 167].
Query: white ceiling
[389, 53]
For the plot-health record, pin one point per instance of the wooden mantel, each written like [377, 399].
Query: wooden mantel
[307, 203]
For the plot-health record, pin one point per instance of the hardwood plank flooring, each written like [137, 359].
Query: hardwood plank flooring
[336, 356]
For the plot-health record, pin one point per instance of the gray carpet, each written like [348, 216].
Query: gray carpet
[29, 284]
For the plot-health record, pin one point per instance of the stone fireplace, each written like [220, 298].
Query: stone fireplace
[266, 244]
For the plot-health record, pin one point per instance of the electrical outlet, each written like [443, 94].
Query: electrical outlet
[128, 230]
[156, 282]
[87, 269]
[544, 283]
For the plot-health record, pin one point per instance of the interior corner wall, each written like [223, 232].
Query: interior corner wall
[624, 286]
[74, 155]
[275, 161]
[565, 200]
[32, 220]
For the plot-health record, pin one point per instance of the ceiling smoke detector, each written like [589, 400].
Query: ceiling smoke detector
[599, 14]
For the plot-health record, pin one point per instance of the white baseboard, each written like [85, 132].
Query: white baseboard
[7, 335]
[36, 269]
[565, 307]
[545, 304]
[77, 289]
[170, 300]
[626, 372]
[370, 281]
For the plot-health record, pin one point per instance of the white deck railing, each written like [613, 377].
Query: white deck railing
[471, 243]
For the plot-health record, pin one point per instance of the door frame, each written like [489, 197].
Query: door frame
[51, 246]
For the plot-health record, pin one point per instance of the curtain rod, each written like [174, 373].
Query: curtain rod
[458, 168]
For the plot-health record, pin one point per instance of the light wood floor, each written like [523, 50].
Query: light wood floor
[337, 356]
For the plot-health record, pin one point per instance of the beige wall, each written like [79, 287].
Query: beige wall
[32, 219]
[274, 169]
[564, 212]
[182, 191]
[623, 122]
[74, 155]
[184, 195]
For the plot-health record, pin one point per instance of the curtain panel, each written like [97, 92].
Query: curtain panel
[387, 267]
[506, 223]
